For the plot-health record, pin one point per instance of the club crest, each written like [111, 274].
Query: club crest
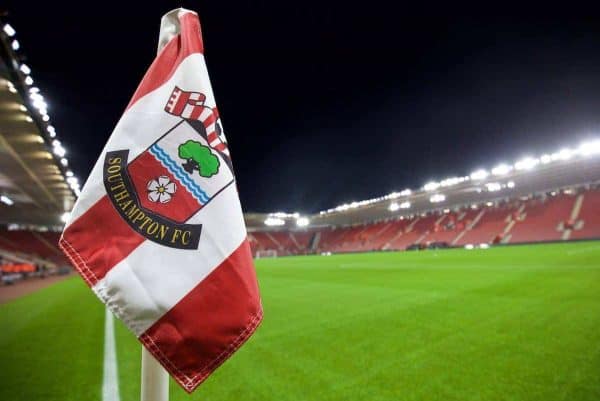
[159, 191]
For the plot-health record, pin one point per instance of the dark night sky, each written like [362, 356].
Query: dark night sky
[334, 102]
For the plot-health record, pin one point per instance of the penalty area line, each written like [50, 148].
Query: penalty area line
[110, 378]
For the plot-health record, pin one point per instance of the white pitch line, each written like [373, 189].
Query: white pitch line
[110, 379]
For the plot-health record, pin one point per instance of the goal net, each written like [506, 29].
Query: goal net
[267, 253]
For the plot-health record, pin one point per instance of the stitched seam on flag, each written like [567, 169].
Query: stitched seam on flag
[192, 382]
[81, 266]
[178, 172]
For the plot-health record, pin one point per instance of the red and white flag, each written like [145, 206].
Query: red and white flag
[158, 231]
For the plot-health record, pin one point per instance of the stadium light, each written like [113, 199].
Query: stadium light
[393, 207]
[480, 174]
[431, 186]
[274, 221]
[437, 198]
[15, 45]
[510, 184]
[9, 30]
[28, 80]
[69, 173]
[35, 89]
[563, 154]
[526, 163]
[6, 200]
[405, 205]
[25, 69]
[405, 192]
[493, 186]
[590, 148]
[64, 162]
[59, 151]
[501, 169]
[51, 131]
[45, 117]
[302, 221]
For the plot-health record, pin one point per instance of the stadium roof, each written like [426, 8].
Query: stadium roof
[532, 175]
[36, 186]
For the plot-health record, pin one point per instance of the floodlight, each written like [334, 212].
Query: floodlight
[393, 207]
[15, 45]
[480, 174]
[6, 200]
[501, 169]
[431, 186]
[9, 30]
[25, 69]
[274, 221]
[526, 163]
[437, 198]
[302, 221]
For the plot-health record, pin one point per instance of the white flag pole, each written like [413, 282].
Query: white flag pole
[155, 379]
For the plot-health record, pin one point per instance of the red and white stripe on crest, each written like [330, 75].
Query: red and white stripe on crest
[190, 105]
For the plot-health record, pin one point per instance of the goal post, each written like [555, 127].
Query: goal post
[266, 253]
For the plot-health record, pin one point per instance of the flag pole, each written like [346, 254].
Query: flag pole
[155, 379]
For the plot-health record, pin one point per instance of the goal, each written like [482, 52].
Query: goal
[267, 253]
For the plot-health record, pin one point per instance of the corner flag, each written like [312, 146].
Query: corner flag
[158, 232]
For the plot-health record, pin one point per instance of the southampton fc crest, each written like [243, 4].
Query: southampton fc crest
[157, 192]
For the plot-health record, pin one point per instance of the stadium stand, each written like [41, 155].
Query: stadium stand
[548, 217]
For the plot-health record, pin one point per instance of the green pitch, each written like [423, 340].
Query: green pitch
[515, 323]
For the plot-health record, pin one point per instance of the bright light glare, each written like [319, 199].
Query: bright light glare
[590, 148]
[28, 80]
[302, 221]
[15, 45]
[9, 30]
[274, 221]
[501, 169]
[437, 198]
[510, 184]
[59, 151]
[25, 69]
[431, 186]
[479, 174]
[393, 207]
[6, 200]
[493, 186]
[526, 163]
[405, 205]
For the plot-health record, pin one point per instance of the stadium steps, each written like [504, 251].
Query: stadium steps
[399, 234]
[293, 238]
[468, 226]
[314, 241]
[573, 218]
[274, 240]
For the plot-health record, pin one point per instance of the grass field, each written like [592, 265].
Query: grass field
[514, 323]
